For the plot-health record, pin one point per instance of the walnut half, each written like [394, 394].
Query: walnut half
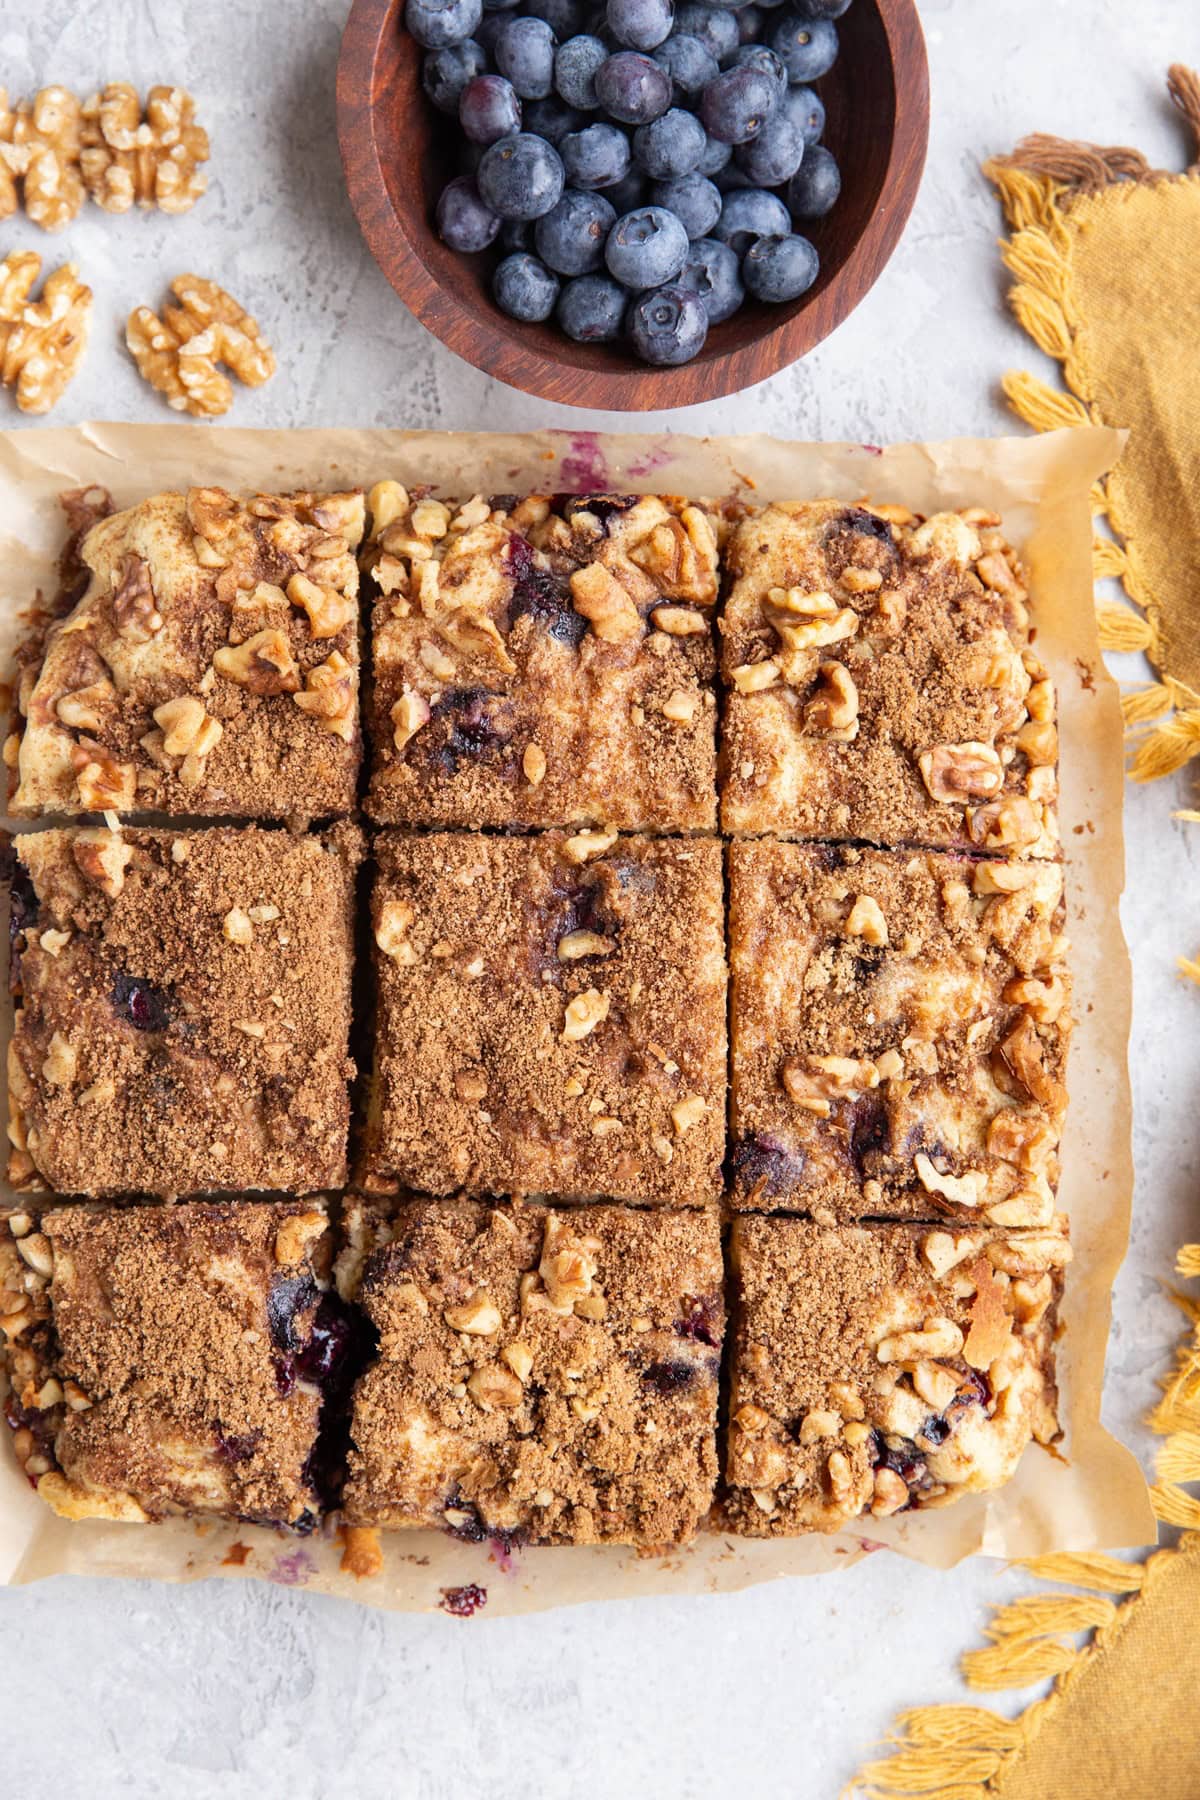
[149, 160]
[179, 354]
[41, 341]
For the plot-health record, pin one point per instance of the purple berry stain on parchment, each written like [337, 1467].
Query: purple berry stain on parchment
[584, 466]
[293, 1570]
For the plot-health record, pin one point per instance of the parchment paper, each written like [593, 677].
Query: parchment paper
[1090, 1494]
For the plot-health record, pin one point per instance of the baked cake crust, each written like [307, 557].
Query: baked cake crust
[209, 668]
[543, 1376]
[542, 661]
[183, 1010]
[550, 1016]
[884, 1367]
[881, 684]
[164, 1360]
[900, 1026]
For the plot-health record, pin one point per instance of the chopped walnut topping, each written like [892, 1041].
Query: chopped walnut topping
[533, 764]
[329, 695]
[600, 598]
[492, 1386]
[237, 927]
[938, 1337]
[752, 678]
[833, 709]
[681, 707]
[584, 1013]
[479, 1316]
[264, 664]
[586, 844]
[104, 784]
[179, 353]
[41, 341]
[391, 933]
[956, 772]
[102, 856]
[688, 1112]
[328, 609]
[679, 621]
[129, 160]
[584, 943]
[135, 609]
[866, 921]
[87, 708]
[409, 713]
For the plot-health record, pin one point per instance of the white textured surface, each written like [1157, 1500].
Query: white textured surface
[235, 1688]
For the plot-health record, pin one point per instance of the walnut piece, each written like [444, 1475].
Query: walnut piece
[151, 160]
[957, 772]
[101, 857]
[39, 147]
[179, 353]
[41, 341]
[264, 664]
[329, 694]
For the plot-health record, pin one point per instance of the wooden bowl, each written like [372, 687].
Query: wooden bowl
[398, 153]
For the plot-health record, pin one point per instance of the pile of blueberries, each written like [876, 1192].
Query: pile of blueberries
[640, 164]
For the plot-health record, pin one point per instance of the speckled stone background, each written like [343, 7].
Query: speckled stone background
[234, 1689]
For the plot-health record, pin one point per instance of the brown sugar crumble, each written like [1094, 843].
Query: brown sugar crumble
[550, 1016]
[900, 1025]
[883, 1367]
[880, 682]
[543, 1376]
[165, 1360]
[210, 666]
[182, 1010]
[546, 661]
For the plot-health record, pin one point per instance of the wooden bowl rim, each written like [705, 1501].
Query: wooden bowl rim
[390, 241]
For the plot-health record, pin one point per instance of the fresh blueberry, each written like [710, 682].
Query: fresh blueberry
[596, 157]
[524, 288]
[711, 271]
[716, 155]
[445, 73]
[632, 88]
[750, 214]
[807, 47]
[670, 146]
[145, 1006]
[757, 56]
[780, 268]
[806, 110]
[627, 194]
[639, 24]
[552, 119]
[464, 220]
[591, 308]
[646, 248]
[570, 237]
[815, 185]
[575, 65]
[717, 30]
[819, 9]
[566, 18]
[695, 202]
[668, 325]
[525, 53]
[774, 155]
[521, 177]
[437, 23]
[737, 103]
[488, 108]
[689, 63]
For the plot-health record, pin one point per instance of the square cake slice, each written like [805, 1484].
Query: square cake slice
[881, 682]
[542, 661]
[550, 1017]
[182, 1010]
[883, 1367]
[210, 666]
[900, 1028]
[543, 1376]
[170, 1359]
